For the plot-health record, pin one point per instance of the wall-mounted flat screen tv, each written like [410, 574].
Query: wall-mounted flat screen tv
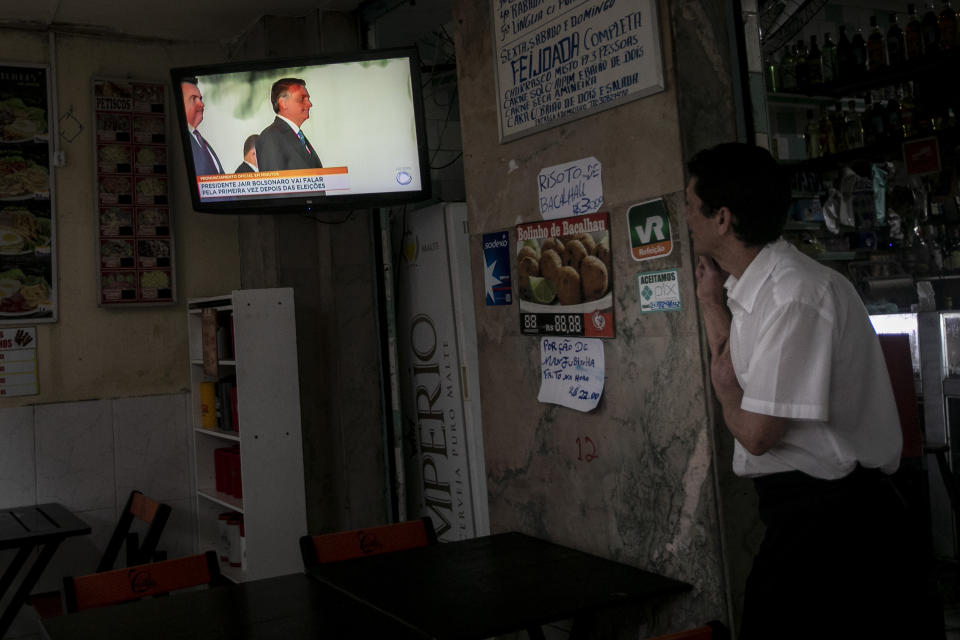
[300, 135]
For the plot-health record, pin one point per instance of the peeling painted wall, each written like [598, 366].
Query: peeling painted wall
[649, 497]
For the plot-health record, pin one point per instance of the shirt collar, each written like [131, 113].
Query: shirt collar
[745, 289]
[295, 128]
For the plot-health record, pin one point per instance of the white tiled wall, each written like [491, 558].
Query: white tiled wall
[88, 456]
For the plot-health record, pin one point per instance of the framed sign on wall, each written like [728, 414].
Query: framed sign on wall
[559, 61]
[135, 238]
[28, 257]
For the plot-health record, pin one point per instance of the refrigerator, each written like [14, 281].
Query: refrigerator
[442, 440]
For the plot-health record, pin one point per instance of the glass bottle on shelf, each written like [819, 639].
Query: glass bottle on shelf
[800, 56]
[814, 63]
[878, 121]
[788, 70]
[812, 136]
[893, 123]
[845, 66]
[907, 110]
[876, 58]
[828, 54]
[852, 127]
[828, 140]
[913, 34]
[866, 121]
[931, 30]
[859, 47]
[947, 23]
[896, 45]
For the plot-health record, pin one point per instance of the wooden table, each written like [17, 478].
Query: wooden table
[289, 607]
[493, 585]
[25, 529]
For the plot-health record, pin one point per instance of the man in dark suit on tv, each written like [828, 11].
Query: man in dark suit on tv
[282, 145]
[249, 164]
[205, 159]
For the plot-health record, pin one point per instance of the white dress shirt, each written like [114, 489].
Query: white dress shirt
[803, 348]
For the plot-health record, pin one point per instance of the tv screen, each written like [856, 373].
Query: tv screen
[300, 135]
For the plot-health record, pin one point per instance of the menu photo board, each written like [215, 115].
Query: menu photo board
[565, 276]
[135, 238]
[27, 230]
[559, 61]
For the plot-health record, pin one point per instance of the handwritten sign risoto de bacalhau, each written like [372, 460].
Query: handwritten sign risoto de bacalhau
[558, 60]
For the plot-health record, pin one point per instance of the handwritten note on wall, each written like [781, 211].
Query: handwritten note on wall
[570, 189]
[572, 372]
[559, 60]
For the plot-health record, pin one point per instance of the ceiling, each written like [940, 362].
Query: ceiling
[214, 21]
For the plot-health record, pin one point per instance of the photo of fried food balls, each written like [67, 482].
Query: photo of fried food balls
[574, 253]
[550, 263]
[568, 286]
[577, 268]
[593, 278]
[553, 243]
[528, 266]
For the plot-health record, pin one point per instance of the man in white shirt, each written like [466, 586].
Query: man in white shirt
[803, 385]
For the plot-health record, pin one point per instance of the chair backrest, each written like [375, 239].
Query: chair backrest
[132, 583]
[154, 514]
[346, 545]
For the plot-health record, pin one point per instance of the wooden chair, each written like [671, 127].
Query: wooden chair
[133, 583]
[346, 545]
[154, 514]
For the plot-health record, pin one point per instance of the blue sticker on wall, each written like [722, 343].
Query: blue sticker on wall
[496, 268]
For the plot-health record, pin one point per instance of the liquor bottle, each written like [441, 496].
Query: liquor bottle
[828, 140]
[931, 31]
[814, 63]
[876, 59]
[845, 64]
[896, 45]
[788, 70]
[839, 126]
[852, 127]
[878, 121]
[947, 23]
[828, 56]
[772, 77]
[859, 47]
[866, 122]
[800, 56]
[907, 110]
[812, 136]
[893, 124]
[913, 34]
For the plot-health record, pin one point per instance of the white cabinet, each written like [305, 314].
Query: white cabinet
[263, 363]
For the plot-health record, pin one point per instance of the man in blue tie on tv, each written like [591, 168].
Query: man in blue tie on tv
[282, 145]
[205, 159]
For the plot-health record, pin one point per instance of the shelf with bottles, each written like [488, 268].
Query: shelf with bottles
[923, 47]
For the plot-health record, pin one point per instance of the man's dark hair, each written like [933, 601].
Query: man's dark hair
[749, 182]
[249, 143]
[281, 88]
[190, 80]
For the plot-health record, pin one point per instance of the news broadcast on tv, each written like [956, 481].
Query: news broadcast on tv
[322, 129]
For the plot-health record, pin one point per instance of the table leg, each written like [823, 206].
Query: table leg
[13, 570]
[23, 591]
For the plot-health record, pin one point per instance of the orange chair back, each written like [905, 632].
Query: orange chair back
[122, 585]
[346, 545]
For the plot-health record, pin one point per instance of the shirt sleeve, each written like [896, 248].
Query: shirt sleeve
[788, 374]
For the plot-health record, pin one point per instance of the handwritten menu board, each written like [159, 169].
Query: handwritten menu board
[135, 243]
[27, 256]
[572, 372]
[559, 60]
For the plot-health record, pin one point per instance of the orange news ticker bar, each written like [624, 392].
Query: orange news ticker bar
[262, 175]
